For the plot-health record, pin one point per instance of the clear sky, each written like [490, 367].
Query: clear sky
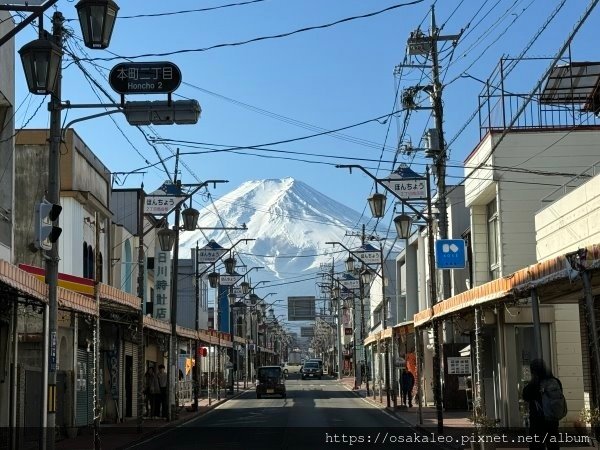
[291, 87]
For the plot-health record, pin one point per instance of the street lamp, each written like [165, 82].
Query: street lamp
[42, 64]
[403, 228]
[377, 205]
[366, 276]
[213, 279]
[166, 239]
[41, 61]
[350, 264]
[229, 265]
[190, 218]
[245, 287]
[403, 223]
[97, 19]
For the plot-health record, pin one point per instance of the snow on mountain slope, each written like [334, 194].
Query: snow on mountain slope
[290, 221]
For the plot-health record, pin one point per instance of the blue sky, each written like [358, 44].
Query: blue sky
[327, 78]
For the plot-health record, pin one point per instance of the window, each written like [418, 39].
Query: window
[128, 267]
[492, 234]
[85, 260]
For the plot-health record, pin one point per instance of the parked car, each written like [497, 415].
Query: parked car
[270, 380]
[311, 369]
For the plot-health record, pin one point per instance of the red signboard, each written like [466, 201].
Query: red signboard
[347, 331]
[71, 282]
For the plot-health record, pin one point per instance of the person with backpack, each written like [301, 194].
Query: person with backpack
[547, 405]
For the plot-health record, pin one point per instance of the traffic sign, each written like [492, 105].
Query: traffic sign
[450, 254]
[145, 78]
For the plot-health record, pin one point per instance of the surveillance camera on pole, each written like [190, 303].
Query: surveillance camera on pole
[46, 233]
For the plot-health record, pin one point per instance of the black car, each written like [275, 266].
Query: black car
[311, 369]
[270, 380]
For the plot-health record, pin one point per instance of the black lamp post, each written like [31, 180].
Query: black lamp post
[168, 240]
[229, 265]
[213, 279]
[245, 286]
[97, 19]
[403, 223]
[377, 205]
[42, 64]
[350, 264]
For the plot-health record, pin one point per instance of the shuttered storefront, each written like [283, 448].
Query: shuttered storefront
[130, 373]
[84, 413]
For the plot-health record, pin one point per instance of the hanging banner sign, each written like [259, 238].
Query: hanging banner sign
[408, 188]
[228, 280]
[350, 284]
[368, 257]
[162, 284]
[159, 205]
[209, 255]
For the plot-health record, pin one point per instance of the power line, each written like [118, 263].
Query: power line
[262, 38]
[187, 11]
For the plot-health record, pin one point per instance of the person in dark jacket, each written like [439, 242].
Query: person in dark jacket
[407, 383]
[539, 427]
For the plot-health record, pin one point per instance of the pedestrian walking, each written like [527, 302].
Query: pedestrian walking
[162, 383]
[547, 405]
[407, 383]
[151, 392]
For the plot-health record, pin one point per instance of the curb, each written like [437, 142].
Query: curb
[180, 422]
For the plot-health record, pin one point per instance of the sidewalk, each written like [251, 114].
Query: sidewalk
[455, 422]
[120, 435]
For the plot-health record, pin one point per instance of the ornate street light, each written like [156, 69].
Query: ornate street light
[97, 19]
[166, 239]
[377, 205]
[190, 218]
[366, 276]
[403, 224]
[254, 299]
[245, 286]
[232, 298]
[336, 292]
[41, 62]
[213, 279]
[350, 264]
[229, 265]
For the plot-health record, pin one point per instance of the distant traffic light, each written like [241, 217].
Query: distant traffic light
[45, 231]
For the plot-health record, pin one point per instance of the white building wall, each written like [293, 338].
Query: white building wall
[569, 223]
[479, 244]
[77, 225]
[567, 345]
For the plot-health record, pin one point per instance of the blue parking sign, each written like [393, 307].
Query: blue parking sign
[450, 254]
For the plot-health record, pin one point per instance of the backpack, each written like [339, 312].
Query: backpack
[554, 404]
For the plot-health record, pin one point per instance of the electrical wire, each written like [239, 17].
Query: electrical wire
[262, 38]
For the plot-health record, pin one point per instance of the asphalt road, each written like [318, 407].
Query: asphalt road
[316, 414]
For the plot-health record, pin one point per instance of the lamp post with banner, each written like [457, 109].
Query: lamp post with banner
[405, 190]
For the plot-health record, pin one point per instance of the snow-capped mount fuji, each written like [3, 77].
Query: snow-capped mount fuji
[290, 221]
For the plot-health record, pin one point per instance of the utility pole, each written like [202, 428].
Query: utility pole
[420, 44]
[386, 346]
[53, 195]
[140, 292]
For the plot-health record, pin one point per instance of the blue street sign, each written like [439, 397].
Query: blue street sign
[450, 254]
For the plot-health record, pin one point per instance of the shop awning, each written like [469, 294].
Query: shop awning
[29, 285]
[22, 282]
[554, 279]
[119, 297]
[374, 337]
